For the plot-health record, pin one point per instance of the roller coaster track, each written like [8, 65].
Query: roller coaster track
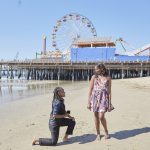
[143, 49]
[134, 51]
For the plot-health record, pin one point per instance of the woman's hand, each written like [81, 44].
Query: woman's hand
[110, 108]
[89, 106]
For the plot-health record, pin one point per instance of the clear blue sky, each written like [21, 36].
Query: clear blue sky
[23, 23]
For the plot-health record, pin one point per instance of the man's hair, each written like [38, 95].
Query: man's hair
[56, 95]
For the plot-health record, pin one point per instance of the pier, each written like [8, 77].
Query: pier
[75, 71]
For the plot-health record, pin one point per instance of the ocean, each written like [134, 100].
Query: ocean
[11, 90]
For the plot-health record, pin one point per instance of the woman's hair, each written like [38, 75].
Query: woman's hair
[56, 95]
[102, 70]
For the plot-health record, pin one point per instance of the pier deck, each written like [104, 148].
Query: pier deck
[50, 70]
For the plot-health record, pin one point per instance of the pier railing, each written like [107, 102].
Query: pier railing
[50, 63]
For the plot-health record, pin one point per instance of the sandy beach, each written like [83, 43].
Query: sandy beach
[128, 124]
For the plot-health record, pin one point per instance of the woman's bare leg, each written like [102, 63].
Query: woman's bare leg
[104, 123]
[97, 124]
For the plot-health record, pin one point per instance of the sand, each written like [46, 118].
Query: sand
[128, 124]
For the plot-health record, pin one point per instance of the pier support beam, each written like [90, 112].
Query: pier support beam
[72, 75]
[72, 71]
[122, 71]
[148, 72]
[0, 71]
[141, 73]
[11, 73]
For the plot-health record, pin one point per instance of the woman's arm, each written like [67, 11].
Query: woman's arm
[90, 91]
[109, 90]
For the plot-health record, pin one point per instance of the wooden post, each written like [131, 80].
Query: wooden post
[122, 71]
[127, 72]
[58, 75]
[73, 75]
[88, 78]
[1, 72]
[52, 74]
[141, 73]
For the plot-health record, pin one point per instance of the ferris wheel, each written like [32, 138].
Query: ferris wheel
[70, 28]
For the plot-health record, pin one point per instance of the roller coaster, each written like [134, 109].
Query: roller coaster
[145, 50]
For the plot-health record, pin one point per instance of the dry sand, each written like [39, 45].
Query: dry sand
[128, 124]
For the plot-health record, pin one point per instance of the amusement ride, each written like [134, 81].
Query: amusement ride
[67, 30]
[74, 27]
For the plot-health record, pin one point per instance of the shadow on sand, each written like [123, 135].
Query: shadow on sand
[120, 135]
[129, 133]
[83, 139]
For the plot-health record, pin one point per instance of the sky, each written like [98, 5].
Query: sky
[23, 23]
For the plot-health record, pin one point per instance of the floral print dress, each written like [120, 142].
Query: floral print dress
[99, 96]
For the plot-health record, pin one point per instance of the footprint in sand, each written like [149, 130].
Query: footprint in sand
[32, 124]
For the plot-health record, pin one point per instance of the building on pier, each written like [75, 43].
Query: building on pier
[100, 49]
[93, 49]
[89, 50]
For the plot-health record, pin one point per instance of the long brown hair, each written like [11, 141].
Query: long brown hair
[102, 70]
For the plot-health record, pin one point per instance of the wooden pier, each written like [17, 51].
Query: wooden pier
[50, 70]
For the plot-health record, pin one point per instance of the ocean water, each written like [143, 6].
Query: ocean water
[11, 90]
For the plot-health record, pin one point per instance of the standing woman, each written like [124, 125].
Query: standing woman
[57, 119]
[99, 100]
